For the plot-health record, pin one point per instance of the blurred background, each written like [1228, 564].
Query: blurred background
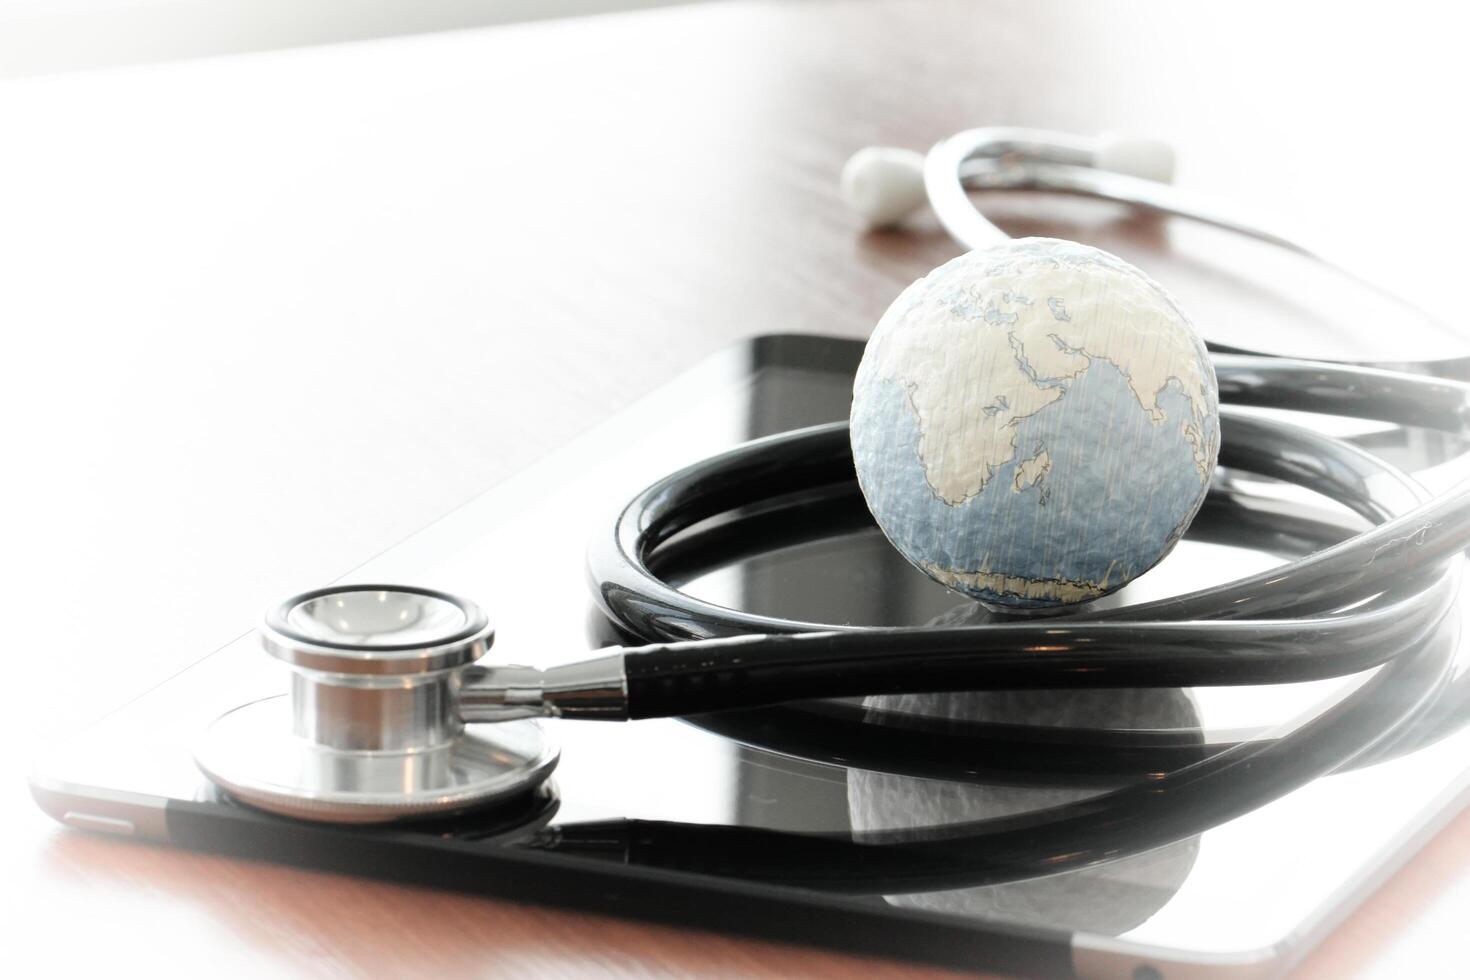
[39, 36]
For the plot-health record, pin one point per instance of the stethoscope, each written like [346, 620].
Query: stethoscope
[391, 717]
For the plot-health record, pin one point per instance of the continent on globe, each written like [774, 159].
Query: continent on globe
[1035, 424]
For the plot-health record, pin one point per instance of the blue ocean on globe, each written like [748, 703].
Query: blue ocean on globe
[1107, 537]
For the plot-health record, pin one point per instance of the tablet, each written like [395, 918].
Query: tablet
[788, 823]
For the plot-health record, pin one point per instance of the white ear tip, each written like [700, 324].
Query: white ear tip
[884, 184]
[1143, 158]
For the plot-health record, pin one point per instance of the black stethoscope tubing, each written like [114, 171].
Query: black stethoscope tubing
[1102, 828]
[1112, 648]
[1376, 599]
[869, 736]
[1216, 636]
[765, 472]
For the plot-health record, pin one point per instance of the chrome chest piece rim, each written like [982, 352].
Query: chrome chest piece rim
[371, 731]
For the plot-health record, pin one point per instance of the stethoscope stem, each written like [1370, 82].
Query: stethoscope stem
[595, 690]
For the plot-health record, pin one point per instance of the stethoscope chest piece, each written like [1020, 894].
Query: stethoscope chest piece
[370, 732]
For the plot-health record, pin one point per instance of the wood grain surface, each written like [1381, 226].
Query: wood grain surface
[264, 316]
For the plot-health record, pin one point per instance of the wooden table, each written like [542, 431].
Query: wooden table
[469, 247]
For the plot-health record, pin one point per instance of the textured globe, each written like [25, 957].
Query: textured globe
[1035, 424]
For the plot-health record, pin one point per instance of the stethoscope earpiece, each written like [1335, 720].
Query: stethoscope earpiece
[886, 184]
